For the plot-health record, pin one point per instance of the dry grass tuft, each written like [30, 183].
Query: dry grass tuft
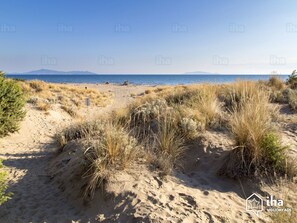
[292, 99]
[258, 148]
[179, 96]
[276, 83]
[70, 110]
[286, 191]
[250, 120]
[148, 91]
[38, 86]
[107, 147]
[158, 127]
[42, 105]
[206, 102]
[237, 94]
[168, 144]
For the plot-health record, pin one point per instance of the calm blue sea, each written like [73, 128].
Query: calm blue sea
[144, 79]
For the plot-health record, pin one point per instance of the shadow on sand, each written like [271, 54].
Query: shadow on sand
[200, 166]
[35, 198]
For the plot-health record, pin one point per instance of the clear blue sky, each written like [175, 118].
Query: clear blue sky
[153, 36]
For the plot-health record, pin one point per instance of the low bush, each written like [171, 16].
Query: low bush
[12, 101]
[144, 117]
[189, 127]
[3, 186]
[274, 153]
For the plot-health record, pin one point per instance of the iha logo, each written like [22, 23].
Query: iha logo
[271, 202]
[255, 203]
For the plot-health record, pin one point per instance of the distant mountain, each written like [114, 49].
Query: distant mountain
[46, 71]
[198, 72]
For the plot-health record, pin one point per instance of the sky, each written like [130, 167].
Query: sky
[149, 36]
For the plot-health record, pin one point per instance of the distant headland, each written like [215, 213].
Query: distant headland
[47, 71]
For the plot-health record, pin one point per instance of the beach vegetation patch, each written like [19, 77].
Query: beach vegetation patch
[292, 99]
[292, 80]
[106, 147]
[258, 149]
[12, 101]
[67, 96]
[70, 110]
[276, 83]
[4, 196]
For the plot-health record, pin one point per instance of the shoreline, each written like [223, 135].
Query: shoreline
[144, 80]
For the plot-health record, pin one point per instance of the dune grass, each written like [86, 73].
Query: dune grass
[69, 98]
[276, 83]
[107, 147]
[292, 99]
[287, 192]
[70, 110]
[235, 95]
[167, 146]
[258, 149]
[190, 110]
[164, 122]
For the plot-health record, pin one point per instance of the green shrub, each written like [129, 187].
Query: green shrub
[292, 80]
[3, 186]
[273, 152]
[12, 101]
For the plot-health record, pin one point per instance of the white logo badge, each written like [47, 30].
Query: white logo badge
[254, 203]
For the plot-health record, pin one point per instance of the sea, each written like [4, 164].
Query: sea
[144, 79]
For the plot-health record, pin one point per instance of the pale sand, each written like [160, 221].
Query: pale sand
[196, 194]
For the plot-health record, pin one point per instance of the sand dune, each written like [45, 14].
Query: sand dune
[194, 194]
